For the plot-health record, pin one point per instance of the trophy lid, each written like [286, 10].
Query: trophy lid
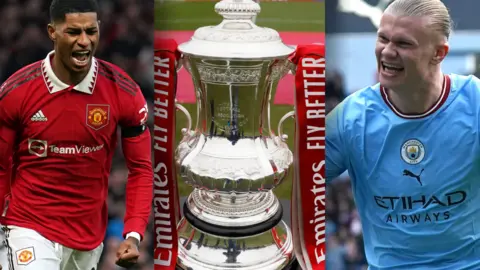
[236, 36]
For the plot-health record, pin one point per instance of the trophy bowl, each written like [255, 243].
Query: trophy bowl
[232, 158]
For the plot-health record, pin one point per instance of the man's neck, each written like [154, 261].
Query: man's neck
[420, 98]
[64, 75]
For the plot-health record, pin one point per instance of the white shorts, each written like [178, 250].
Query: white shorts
[3, 251]
[28, 250]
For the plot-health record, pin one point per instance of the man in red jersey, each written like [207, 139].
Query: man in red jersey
[59, 119]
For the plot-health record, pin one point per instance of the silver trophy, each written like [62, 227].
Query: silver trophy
[233, 159]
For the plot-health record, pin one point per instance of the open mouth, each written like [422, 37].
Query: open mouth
[81, 58]
[391, 68]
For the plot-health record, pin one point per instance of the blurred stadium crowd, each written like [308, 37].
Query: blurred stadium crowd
[344, 232]
[126, 39]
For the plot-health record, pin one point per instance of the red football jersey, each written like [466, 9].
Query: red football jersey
[62, 139]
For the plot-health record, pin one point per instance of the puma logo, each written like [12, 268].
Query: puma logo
[411, 174]
[363, 9]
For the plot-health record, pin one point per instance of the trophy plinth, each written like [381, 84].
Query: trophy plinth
[232, 158]
[202, 251]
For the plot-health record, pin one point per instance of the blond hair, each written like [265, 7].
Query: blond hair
[435, 10]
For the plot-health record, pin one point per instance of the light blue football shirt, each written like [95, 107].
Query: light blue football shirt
[415, 178]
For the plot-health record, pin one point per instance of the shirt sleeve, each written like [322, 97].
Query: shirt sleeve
[136, 145]
[336, 154]
[9, 116]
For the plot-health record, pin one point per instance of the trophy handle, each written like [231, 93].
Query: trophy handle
[282, 136]
[185, 131]
[179, 64]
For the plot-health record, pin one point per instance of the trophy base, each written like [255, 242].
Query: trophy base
[232, 231]
[233, 210]
[292, 266]
[271, 249]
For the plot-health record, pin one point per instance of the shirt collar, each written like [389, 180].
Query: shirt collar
[54, 84]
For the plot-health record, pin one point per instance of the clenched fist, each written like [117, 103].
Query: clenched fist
[127, 253]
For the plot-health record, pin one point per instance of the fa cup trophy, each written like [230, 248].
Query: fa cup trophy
[232, 156]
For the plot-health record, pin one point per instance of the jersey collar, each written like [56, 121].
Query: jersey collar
[54, 84]
[438, 104]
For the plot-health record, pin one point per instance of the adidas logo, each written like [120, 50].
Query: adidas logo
[39, 117]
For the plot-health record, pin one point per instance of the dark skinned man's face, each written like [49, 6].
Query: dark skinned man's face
[76, 40]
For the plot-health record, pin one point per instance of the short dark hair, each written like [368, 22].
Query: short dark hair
[59, 8]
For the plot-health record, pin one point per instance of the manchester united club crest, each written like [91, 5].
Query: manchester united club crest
[25, 256]
[98, 116]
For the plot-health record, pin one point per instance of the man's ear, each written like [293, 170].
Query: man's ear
[51, 31]
[440, 53]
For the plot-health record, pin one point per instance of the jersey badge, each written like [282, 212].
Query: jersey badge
[412, 151]
[98, 115]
